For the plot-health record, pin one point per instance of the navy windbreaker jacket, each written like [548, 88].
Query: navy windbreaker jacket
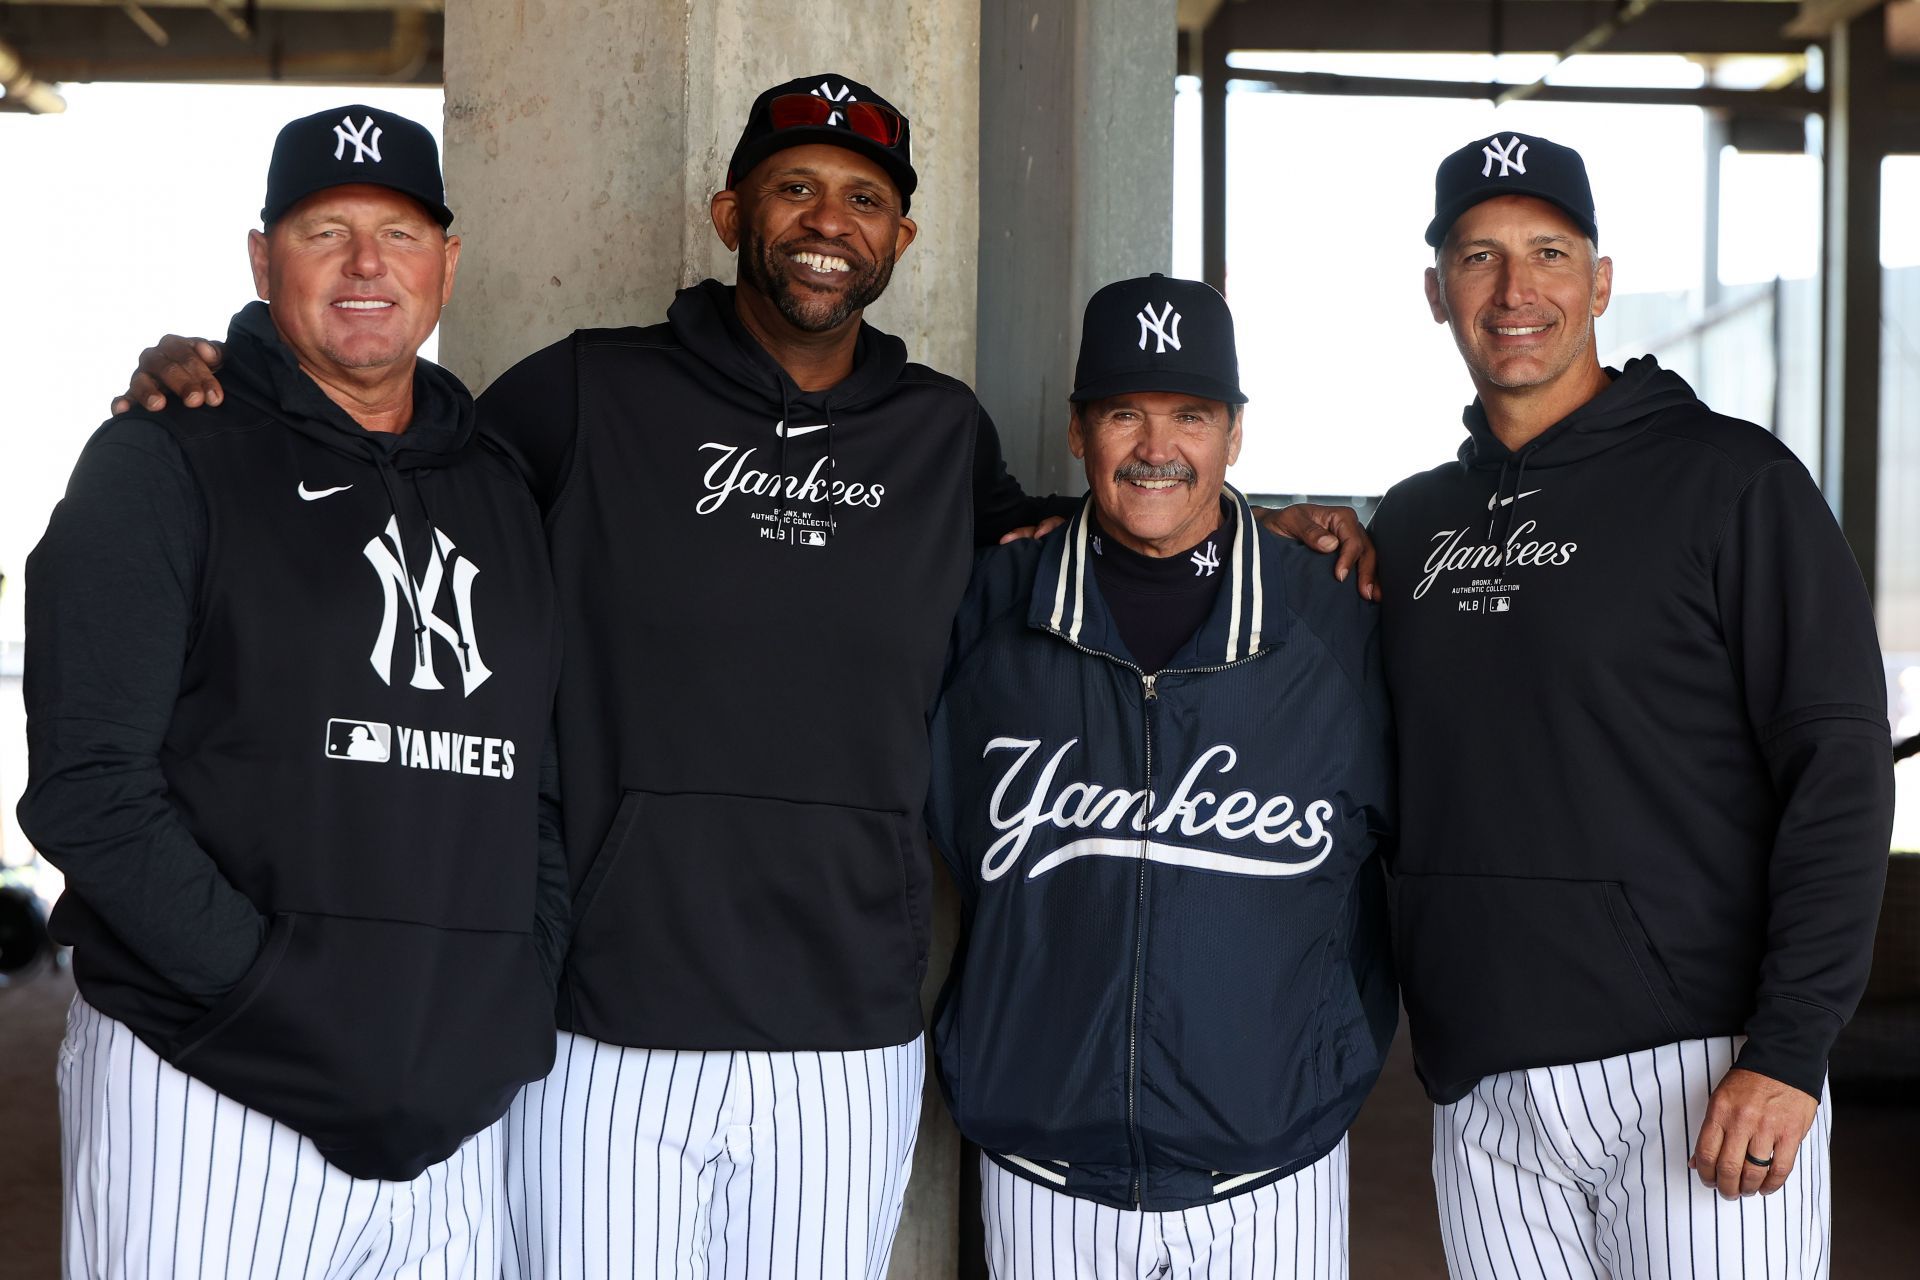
[1173, 983]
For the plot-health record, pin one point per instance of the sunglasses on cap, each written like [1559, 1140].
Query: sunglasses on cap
[868, 119]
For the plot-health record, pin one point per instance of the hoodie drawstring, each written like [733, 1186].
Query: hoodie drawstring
[1500, 512]
[832, 526]
[780, 487]
[385, 468]
[1493, 507]
[446, 563]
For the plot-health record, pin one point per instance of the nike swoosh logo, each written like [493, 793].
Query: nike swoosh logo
[782, 429]
[1507, 502]
[308, 495]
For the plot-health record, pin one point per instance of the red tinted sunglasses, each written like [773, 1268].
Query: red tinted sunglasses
[868, 119]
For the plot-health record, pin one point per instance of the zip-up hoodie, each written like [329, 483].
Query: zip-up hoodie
[354, 746]
[756, 584]
[1645, 777]
[1173, 984]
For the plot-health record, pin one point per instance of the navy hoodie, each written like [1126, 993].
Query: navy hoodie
[756, 584]
[287, 686]
[1645, 779]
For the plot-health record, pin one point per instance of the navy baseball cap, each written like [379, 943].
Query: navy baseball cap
[834, 110]
[346, 145]
[1511, 164]
[1157, 333]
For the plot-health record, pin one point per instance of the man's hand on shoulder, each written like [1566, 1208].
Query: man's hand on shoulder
[1326, 530]
[1752, 1114]
[176, 366]
[1040, 530]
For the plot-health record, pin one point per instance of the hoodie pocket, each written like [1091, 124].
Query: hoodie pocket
[1504, 972]
[716, 921]
[385, 1043]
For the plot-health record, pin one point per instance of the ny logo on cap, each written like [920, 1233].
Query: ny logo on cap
[843, 94]
[1155, 326]
[1511, 158]
[363, 145]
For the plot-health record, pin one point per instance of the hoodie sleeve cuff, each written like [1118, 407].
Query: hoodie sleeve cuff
[1789, 1040]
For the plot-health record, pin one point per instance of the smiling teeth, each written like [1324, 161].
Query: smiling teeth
[1519, 333]
[1156, 484]
[368, 305]
[821, 262]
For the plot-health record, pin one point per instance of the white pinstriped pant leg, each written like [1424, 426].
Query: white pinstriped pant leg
[654, 1162]
[1294, 1228]
[165, 1177]
[1580, 1173]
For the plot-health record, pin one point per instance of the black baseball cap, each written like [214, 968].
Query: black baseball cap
[1511, 164]
[350, 144]
[1157, 333]
[831, 109]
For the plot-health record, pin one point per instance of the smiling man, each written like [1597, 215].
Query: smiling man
[761, 516]
[1161, 780]
[290, 668]
[1646, 784]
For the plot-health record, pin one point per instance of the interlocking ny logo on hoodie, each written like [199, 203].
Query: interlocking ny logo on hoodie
[445, 750]
[1273, 821]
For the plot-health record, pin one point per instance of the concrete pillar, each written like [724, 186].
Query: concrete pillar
[1076, 190]
[583, 139]
[1859, 132]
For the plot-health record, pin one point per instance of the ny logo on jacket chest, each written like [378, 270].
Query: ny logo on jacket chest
[421, 600]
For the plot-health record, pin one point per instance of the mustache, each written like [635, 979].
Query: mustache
[1175, 470]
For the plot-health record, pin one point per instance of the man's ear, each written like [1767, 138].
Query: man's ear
[257, 259]
[1233, 433]
[725, 211]
[453, 266]
[1076, 436]
[1602, 285]
[903, 236]
[1436, 302]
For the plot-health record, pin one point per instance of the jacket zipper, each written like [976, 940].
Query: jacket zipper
[1150, 693]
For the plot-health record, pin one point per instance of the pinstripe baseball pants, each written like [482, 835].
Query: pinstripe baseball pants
[166, 1177]
[1296, 1228]
[1580, 1173]
[662, 1163]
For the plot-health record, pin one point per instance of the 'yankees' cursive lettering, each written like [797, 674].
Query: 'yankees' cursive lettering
[1193, 813]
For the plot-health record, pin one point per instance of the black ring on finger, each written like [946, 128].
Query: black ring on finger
[1758, 1162]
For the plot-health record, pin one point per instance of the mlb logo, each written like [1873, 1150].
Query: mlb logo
[367, 740]
[1470, 605]
[813, 538]
[1500, 604]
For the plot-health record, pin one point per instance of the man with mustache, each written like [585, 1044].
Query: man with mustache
[1645, 779]
[1161, 776]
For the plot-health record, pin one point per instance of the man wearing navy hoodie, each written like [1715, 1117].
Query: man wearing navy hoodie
[1645, 779]
[290, 667]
